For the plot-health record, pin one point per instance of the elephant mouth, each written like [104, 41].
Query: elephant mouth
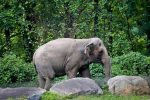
[98, 59]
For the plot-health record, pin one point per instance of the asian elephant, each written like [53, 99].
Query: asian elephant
[69, 56]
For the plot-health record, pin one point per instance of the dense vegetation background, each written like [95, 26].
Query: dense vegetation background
[123, 25]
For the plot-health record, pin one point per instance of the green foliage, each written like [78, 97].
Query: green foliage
[111, 97]
[54, 96]
[60, 78]
[133, 63]
[20, 98]
[32, 23]
[13, 69]
[122, 25]
[121, 45]
[106, 96]
[96, 70]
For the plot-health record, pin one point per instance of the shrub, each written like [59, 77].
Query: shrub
[54, 96]
[133, 63]
[96, 70]
[13, 69]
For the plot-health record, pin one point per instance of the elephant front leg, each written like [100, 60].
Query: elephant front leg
[84, 72]
[73, 64]
[71, 73]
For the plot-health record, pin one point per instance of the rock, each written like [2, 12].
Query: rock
[76, 86]
[148, 80]
[126, 85]
[35, 97]
[100, 82]
[6, 93]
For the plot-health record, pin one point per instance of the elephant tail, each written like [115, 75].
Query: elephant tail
[34, 62]
[35, 67]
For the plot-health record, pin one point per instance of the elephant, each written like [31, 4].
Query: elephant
[68, 56]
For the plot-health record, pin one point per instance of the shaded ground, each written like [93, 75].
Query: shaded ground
[23, 84]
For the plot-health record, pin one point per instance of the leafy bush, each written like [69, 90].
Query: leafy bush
[96, 70]
[54, 96]
[132, 63]
[13, 69]
[105, 96]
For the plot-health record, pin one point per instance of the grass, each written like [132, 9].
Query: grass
[107, 96]
[112, 97]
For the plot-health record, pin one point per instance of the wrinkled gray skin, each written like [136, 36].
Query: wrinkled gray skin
[69, 56]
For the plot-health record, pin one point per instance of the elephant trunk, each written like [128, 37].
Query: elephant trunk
[106, 64]
[107, 68]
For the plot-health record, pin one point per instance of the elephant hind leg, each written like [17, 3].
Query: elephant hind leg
[71, 73]
[42, 81]
[47, 84]
[50, 76]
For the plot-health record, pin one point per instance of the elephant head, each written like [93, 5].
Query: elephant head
[97, 53]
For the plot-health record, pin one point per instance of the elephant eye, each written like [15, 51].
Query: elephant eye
[99, 44]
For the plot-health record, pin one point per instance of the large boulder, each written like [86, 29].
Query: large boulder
[6, 93]
[126, 85]
[76, 86]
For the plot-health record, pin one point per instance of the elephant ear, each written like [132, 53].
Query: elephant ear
[89, 49]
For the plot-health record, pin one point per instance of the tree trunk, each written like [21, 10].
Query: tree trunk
[148, 44]
[28, 46]
[129, 34]
[69, 20]
[148, 28]
[7, 36]
[28, 36]
[96, 17]
[110, 37]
